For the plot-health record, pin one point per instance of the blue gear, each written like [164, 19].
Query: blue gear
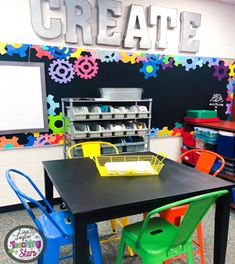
[108, 56]
[149, 69]
[31, 140]
[230, 86]
[157, 59]
[213, 61]
[153, 132]
[178, 60]
[189, 63]
[60, 53]
[21, 51]
[53, 105]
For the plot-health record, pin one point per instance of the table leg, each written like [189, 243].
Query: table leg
[80, 243]
[48, 188]
[221, 228]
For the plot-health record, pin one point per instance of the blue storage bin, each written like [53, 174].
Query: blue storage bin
[226, 144]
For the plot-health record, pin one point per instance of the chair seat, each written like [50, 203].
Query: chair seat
[50, 231]
[156, 237]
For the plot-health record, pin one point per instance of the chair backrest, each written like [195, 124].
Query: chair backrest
[25, 199]
[198, 207]
[90, 148]
[205, 160]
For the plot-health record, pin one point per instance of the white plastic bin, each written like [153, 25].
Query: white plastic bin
[77, 113]
[132, 111]
[94, 112]
[106, 130]
[142, 111]
[94, 130]
[78, 130]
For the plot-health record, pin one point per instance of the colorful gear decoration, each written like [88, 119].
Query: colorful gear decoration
[141, 57]
[178, 60]
[128, 57]
[53, 105]
[9, 143]
[42, 51]
[178, 125]
[229, 109]
[60, 52]
[86, 67]
[230, 86]
[177, 131]
[19, 49]
[107, 56]
[165, 132]
[167, 65]
[153, 132]
[61, 71]
[200, 62]
[3, 48]
[212, 62]
[31, 139]
[232, 70]
[189, 63]
[228, 62]
[149, 69]
[77, 53]
[157, 59]
[221, 71]
[43, 140]
[59, 139]
[52, 123]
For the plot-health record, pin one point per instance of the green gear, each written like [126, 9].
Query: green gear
[53, 120]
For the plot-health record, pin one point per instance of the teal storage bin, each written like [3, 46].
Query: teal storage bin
[201, 113]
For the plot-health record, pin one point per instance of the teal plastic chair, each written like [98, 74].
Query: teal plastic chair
[157, 240]
[56, 230]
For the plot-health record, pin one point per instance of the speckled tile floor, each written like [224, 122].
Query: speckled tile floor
[109, 250]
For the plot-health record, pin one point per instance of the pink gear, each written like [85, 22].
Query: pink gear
[42, 53]
[44, 140]
[86, 67]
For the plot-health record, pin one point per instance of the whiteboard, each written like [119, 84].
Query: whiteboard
[23, 105]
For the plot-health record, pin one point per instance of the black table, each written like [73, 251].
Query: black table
[92, 198]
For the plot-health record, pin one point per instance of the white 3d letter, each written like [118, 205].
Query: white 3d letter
[82, 21]
[163, 18]
[188, 20]
[137, 28]
[36, 18]
[104, 23]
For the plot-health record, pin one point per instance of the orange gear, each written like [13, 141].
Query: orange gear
[9, 143]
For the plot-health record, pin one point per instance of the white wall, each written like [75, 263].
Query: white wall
[217, 40]
[215, 34]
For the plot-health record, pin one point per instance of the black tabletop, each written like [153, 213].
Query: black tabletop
[78, 182]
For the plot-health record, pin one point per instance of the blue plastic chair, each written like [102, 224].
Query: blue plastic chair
[53, 225]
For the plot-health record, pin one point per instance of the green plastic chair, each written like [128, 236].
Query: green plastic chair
[156, 240]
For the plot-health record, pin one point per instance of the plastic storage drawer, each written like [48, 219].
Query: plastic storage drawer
[201, 113]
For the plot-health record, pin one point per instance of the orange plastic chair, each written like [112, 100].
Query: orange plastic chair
[204, 160]
[91, 149]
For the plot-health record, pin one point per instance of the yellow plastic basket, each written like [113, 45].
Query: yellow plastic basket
[129, 165]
